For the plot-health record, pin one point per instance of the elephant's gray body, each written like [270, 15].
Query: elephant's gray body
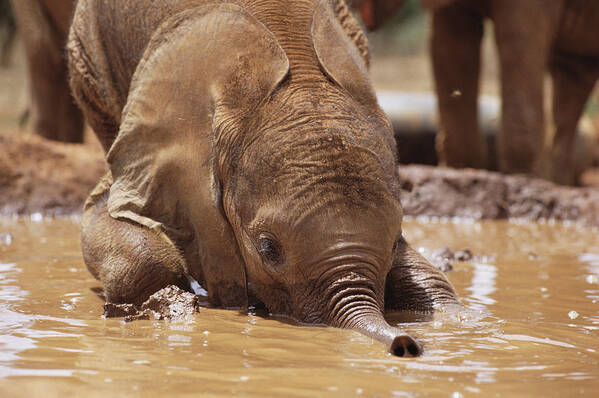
[246, 151]
[532, 37]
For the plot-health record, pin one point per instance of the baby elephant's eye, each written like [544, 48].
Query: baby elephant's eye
[270, 251]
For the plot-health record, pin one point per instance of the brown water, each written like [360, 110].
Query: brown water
[520, 338]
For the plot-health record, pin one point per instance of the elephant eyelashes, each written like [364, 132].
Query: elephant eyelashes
[270, 251]
[395, 245]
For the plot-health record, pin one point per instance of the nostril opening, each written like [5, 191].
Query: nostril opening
[414, 350]
[398, 351]
[405, 346]
[397, 348]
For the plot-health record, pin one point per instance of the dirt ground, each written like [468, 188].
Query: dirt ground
[40, 176]
[478, 194]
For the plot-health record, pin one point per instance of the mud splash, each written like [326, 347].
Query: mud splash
[532, 329]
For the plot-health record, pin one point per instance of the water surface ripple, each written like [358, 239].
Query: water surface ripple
[532, 327]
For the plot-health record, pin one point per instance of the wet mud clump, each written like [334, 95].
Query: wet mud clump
[170, 303]
[445, 258]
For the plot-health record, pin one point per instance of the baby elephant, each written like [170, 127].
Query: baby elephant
[246, 151]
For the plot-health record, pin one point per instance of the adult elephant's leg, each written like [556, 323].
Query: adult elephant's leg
[455, 48]
[415, 284]
[524, 31]
[52, 110]
[131, 261]
[573, 80]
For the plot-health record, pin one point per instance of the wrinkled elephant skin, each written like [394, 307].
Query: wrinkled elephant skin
[246, 151]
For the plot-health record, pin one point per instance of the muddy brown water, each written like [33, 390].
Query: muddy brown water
[532, 327]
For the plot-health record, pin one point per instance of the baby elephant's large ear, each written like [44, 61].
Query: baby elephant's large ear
[200, 64]
[339, 56]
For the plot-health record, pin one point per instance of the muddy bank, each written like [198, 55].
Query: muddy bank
[39, 176]
[479, 194]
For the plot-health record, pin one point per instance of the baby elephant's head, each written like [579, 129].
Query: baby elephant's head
[314, 204]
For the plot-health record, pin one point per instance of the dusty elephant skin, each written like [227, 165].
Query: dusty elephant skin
[246, 151]
[533, 36]
[43, 27]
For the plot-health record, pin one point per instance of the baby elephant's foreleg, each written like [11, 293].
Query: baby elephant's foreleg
[415, 284]
[131, 261]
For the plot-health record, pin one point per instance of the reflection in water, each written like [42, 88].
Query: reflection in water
[515, 337]
[521, 337]
[16, 333]
[8, 290]
[483, 285]
[10, 345]
[591, 261]
[592, 265]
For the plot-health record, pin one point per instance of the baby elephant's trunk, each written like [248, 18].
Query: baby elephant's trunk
[374, 325]
[365, 317]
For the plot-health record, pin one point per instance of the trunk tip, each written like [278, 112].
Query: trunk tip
[405, 346]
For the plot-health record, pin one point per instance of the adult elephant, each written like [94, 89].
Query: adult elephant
[43, 26]
[374, 13]
[532, 36]
[246, 151]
